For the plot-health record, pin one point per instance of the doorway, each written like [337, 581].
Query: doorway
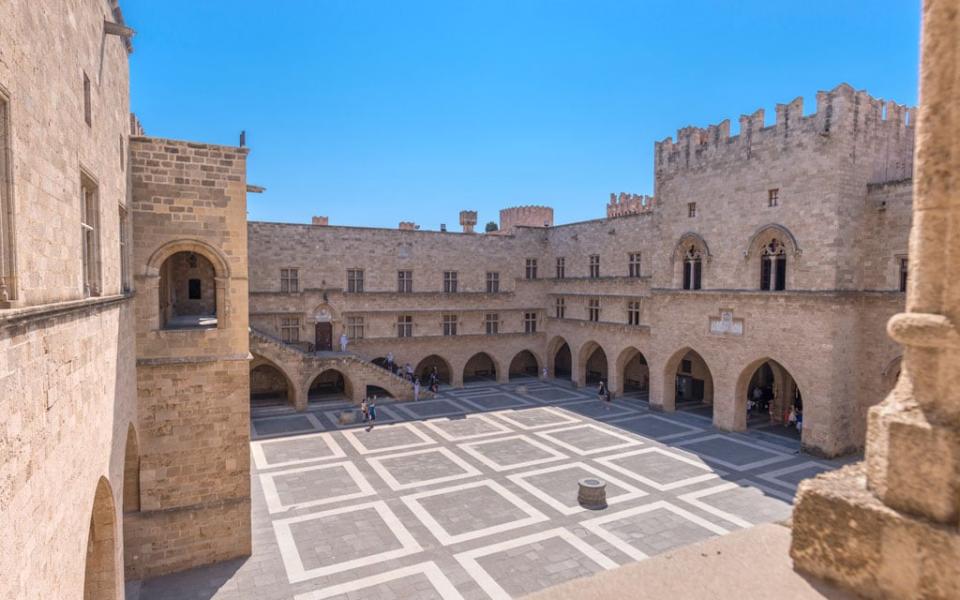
[324, 336]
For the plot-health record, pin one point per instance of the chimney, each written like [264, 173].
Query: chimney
[324, 221]
[468, 219]
[408, 226]
[443, 226]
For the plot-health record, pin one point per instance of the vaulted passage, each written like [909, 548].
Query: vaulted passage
[524, 364]
[480, 367]
[562, 362]
[431, 364]
[329, 385]
[188, 292]
[595, 365]
[635, 372]
[693, 384]
[269, 386]
[771, 398]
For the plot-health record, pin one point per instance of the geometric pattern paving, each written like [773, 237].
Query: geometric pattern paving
[473, 495]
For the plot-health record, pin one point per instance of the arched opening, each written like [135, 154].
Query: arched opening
[562, 359]
[100, 573]
[330, 385]
[634, 371]
[433, 364]
[131, 472]
[480, 367]
[594, 364]
[188, 291]
[690, 257]
[689, 380]
[269, 386]
[375, 391]
[524, 364]
[380, 361]
[770, 399]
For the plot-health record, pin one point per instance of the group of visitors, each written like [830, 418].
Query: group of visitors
[369, 410]
[761, 400]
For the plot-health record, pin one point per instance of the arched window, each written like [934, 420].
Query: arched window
[692, 268]
[773, 266]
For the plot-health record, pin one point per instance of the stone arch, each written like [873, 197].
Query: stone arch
[559, 358]
[379, 392]
[633, 370]
[524, 364]
[765, 233]
[771, 258]
[685, 241]
[426, 365]
[778, 390]
[131, 471]
[329, 384]
[100, 571]
[682, 385]
[592, 361]
[213, 277]
[690, 246]
[270, 384]
[220, 263]
[480, 367]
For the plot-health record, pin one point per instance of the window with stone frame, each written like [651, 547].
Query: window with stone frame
[290, 329]
[529, 322]
[355, 328]
[450, 282]
[90, 234]
[493, 282]
[560, 306]
[691, 209]
[633, 312]
[354, 281]
[449, 325]
[290, 280]
[125, 283]
[593, 310]
[8, 287]
[561, 267]
[491, 322]
[773, 197]
[531, 271]
[692, 268]
[594, 266]
[902, 263]
[633, 264]
[405, 326]
[405, 282]
[773, 266]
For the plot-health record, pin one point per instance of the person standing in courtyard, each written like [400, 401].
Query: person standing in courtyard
[416, 389]
[544, 373]
[365, 410]
[390, 361]
[373, 413]
[344, 340]
[602, 390]
[409, 369]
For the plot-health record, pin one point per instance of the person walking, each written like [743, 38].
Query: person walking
[602, 392]
[344, 340]
[373, 413]
[409, 369]
[390, 361]
[416, 389]
[365, 410]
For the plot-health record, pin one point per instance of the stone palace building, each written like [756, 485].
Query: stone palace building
[141, 313]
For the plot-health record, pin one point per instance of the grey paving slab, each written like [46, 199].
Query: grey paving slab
[658, 531]
[655, 427]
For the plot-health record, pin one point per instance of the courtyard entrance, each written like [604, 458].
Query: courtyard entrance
[562, 362]
[524, 364]
[480, 367]
[269, 386]
[427, 365]
[772, 400]
[693, 385]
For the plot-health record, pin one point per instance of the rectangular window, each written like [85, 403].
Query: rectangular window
[529, 322]
[531, 268]
[493, 282]
[903, 274]
[561, 308]
[633, 313]
[355, 328]
[449, 324]
[773, 197]
[290, 280]
[561, 267]
[8, 288]
[594, 266]
[90, 235]
[290, 329]
[766, 267]
[355, 281]
[450, 282]
[593, 310]
[692, 272]
[405, 282]
[194, 289]
[87, 103]
[686, 366]
[691, 209]
[405, 326]
[780, 282]
[491, 322]
[633, 266]
[124, 252]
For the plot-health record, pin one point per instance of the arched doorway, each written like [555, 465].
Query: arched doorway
[131, 472]
[330, 385]
[427, 366]
[770, 398]
[480, 367]
[634, 371]
[524, 364]
[100, 573]
[375, 391]
[269, 386]
[594, 361]
[689, 381]
[562, 360]
[188, 291]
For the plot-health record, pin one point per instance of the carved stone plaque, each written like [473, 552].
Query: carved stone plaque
[725, 324]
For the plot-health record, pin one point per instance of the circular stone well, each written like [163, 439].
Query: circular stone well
[592, 493]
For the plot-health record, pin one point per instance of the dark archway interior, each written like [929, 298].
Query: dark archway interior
[480, 367]
[268, 386]
[774, 402]
[329, 385]
[636, 374]
[524, 364]
[188, 292]
[562, 362]
[427, 365]
[596, 367]
[694, 385]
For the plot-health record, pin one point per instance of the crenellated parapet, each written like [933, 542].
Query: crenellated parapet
[879, 131]
[525, 216]
[626, 204]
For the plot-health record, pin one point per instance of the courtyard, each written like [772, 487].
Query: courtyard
[472, 494]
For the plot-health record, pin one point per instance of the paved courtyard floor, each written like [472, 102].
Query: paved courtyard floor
[473, 495]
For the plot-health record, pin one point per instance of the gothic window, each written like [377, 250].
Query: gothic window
[593, 310]
[405, 326]
[594, 266]
[493, 282]
[773, 197]
[355, 328]
[773, 267]
[290, 329]
[691, 209]
[90, 235]
[633, 312]
[561, 267]
[125, 285]
[633, 269]
[531, 272]
[450, 282]
[449, 324]
[692, 268]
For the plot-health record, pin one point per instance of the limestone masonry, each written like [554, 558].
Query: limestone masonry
[141, 313]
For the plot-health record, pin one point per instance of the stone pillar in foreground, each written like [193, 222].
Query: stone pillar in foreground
[888, 527]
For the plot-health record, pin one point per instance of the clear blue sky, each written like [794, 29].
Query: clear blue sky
[373, 112]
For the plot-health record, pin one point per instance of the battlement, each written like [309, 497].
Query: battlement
[842, 113]
[322, 221]
[526, 216]
[468, 219]
[628, 204]
[408, 226]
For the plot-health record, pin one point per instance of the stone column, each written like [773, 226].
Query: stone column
[888, 528]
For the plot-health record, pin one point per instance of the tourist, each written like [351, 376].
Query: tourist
[390, 361]
[373, 413]
[602, 392]
[344, 340]
[416, 389]
[544, 372]
[409, 370]
[365, 410]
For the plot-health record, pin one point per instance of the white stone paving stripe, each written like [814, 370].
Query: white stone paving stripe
[434, 575]
[276, 505]
[520, 479]
[355, 438]
[610, 462]
[260, 458]
[471, 449]
[468, 470]
[565, 418]
[435, 425]
[695, 498]
[627, 440]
